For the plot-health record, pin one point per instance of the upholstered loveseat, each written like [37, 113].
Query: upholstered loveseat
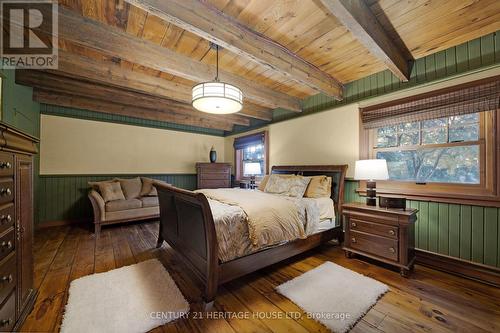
[123, 200]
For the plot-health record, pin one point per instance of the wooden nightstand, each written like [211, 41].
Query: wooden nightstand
[383, 234]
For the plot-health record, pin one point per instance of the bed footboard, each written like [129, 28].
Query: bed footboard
[187, 225]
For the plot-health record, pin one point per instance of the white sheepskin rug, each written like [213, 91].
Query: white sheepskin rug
[135, 298]
[333, 295]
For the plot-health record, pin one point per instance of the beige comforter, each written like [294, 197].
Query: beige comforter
[271, 219]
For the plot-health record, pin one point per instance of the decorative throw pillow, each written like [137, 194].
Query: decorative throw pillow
[95, 185]
[148, 190]
[289, 185]
[319, 187]
[131, 187]
[263, 183]
[111, 191]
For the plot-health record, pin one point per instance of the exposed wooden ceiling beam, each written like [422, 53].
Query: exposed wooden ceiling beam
[117, 43]
[73, 101]
[64, 85]
[357, 17]
[206, 21]
[76, 66]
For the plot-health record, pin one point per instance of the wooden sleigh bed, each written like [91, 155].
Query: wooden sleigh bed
[187, 225]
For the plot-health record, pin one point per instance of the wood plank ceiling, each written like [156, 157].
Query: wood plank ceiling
[127, 60]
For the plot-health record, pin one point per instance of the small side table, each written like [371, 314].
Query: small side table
[383, 234]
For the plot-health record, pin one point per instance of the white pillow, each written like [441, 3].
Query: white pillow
[288, 185]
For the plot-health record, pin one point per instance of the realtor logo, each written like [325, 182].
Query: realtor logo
[29, 34]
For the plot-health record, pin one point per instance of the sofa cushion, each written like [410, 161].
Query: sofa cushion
[95, 185]
[131, 187]
[111, 191]
[149, 201]
[147, 187]
[117, 205]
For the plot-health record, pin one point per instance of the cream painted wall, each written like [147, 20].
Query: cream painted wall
[329, 137]
[76, 146]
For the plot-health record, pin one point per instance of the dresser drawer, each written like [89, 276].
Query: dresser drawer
[214, 183]
[6, 164]
[374, 228]
[7, 313]
[373, 244]
[7, 241]
[7, 276]
[214, 175]
[6, 217]
[6, 190]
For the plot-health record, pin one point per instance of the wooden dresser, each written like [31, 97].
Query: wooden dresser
[17, 294]
[213, 175]
[383, 234]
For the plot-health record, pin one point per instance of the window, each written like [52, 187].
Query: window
[443, 150]
[251, 156]
[443, 145]
[450, 159]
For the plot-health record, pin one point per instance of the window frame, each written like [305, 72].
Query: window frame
[238, 159]
[487, 193]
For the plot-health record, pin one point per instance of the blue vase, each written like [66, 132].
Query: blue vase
[213, 155]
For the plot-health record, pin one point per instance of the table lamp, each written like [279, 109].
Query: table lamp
[251, 169]
[371, 170]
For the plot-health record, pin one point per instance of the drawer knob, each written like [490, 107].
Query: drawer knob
[5, 322]
[6, 218]
[5, 191]
[7, 245]
[392, 250]
[391, 232]
[353, 240]
[7, 278]
[353, 224]
[5, 165]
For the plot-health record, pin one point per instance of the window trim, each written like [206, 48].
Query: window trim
[487, 193]
[238, 166]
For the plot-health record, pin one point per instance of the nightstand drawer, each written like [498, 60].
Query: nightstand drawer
[374, 228]
[373, 244]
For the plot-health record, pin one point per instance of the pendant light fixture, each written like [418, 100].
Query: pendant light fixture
[215, 96]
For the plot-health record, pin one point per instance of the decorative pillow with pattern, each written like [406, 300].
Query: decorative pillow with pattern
[289, 185]
[111, 191]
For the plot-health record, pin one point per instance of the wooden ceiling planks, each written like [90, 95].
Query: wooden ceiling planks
[208, 22]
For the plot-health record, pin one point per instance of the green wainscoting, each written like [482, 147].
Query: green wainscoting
[64, 197]
[462, 231]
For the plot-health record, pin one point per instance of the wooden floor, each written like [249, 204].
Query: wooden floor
[430, 301]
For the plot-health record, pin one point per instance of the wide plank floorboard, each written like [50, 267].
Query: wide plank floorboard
[429, 301]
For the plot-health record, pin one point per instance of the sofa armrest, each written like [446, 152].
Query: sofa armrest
[98, 205]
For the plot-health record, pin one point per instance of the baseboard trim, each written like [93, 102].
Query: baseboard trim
[59, 223]
[479, 272]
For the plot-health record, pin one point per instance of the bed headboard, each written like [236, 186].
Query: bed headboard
[337, 172]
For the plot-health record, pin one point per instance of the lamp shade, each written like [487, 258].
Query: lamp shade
[371, 170]
[252, 168]
[217, 97]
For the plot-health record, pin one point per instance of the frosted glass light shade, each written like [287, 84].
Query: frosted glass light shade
[217, 97]
[252, 168]
[371, 170]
